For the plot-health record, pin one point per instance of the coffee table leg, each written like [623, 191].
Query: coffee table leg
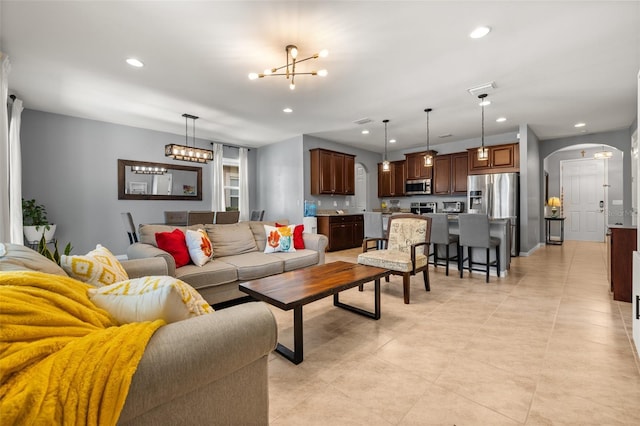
[296, 356]
[375, 314]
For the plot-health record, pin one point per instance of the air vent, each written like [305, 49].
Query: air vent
[363, 121]
[482, 88]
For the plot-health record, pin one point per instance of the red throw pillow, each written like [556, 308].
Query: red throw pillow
[298, 241]
[175, 244]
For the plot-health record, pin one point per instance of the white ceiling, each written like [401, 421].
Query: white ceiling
[554, 64]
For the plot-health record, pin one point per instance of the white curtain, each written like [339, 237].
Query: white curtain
[15, 173]
[243, 169]
[217, 179]
[7, 163]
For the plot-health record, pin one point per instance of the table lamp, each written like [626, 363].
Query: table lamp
[554, 202]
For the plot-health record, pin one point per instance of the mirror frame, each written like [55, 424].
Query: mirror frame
[121, 182]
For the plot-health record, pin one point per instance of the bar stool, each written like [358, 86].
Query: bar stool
[474, 233]
[440, 236]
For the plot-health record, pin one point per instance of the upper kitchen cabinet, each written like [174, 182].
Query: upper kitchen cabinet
[391, 183]
[502, 159]
[415, 166]
[450, 174]
[332, 172]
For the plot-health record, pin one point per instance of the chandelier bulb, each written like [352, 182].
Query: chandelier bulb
[253, 76]
[292, 86]
[323, 73]
[323, 53]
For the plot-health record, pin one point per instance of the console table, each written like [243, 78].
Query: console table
[548, 221]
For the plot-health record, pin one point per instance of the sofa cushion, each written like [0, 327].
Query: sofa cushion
[279, 239]
[298, 259]
[257, 227]
[149, 299]
[211, 274]
[231, 239]
[175, 243]
[99, 267]
[199, 246]
[255, 265]
[16, 257]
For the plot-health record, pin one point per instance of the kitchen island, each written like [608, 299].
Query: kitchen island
[344, 231]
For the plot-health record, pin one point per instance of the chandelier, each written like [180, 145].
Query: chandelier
[289, 69]
[483, 153]
[603, 155]
[186, 152]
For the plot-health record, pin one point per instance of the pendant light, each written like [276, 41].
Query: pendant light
[186, 152]
[483, 153]
[428, 158]
[603, 155]
[385, 162]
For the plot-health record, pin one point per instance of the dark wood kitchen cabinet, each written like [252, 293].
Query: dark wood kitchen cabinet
[342, 231]
[391, 183]
[450, 174]
[415, 166]
[502, 159]
[621, 243]
[332, 172]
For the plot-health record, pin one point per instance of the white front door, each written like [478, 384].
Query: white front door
[584, 199]
[360, 200]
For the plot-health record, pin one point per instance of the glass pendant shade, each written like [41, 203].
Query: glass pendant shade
[483, 153]
[428, 160]
[385, 163]
[385, 166]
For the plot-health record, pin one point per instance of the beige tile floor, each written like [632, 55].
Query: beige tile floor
[546, 345]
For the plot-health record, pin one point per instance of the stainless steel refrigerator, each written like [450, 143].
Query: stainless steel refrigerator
[498, 196]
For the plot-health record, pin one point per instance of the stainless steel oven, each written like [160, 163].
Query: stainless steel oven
[418, 187]
[421, 208]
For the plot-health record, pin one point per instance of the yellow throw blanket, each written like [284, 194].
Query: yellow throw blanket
[62, 359]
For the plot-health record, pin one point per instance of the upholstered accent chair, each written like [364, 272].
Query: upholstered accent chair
[405, 250]
[474, 233]
[442, 239]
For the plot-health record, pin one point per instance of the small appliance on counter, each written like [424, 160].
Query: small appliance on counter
[452, 207]
[423, 207]
[394, 205]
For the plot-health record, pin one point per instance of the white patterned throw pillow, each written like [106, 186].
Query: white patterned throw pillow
[279, 239]
[99, 267]
[150, 298]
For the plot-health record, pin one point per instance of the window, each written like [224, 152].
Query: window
[231, 183]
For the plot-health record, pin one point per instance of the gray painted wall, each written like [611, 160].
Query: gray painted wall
[619, 139]
[530, 196]
[281, 186]
[70, 165]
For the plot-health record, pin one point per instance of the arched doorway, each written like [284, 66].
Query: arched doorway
[361, 188]
[591, 190]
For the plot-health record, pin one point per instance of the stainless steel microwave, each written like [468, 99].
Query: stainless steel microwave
[418, 187]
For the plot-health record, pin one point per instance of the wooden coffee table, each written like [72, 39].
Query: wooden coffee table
[294, 289]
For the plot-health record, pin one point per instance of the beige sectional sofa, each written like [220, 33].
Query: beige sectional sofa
[238, 256]
[207, 370]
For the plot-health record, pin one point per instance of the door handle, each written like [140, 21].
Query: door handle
[637, 307]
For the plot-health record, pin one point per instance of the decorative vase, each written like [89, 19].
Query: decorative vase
[554, 212]
[32, 233]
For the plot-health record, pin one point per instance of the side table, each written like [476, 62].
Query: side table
[548, 221]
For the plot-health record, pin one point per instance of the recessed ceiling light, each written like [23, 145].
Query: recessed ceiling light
[501, 119]
[365, 132]
[392, 141]
[135, 62]
[287, 110]
[579, 125]
[480, 32]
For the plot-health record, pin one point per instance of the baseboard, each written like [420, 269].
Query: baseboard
[530, 252]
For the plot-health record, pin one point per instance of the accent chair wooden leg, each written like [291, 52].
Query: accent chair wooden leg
[406, 288]
[425, 276]
[435, 256]
[361, 287]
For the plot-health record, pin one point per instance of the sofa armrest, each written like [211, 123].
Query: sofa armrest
[137, 268]
[145, 251]
[317, 242]
[187, 355]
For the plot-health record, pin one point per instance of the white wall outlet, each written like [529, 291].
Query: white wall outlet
[335, 204]
[319, 203]
[346, 203]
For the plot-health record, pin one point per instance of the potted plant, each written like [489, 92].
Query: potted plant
[35, 223]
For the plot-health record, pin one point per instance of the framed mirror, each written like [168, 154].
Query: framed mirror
[142, 180]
